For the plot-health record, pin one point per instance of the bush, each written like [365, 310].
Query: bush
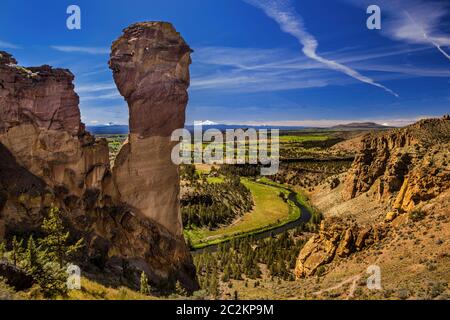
[416, 215]
[320, 271]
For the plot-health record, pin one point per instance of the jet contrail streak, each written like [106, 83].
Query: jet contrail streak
[427, 38]
[291, 23]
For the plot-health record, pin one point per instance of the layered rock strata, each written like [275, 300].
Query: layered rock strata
[408, 163]
[405, 169]
[336, 238]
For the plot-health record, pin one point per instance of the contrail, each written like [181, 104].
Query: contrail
[426, 36]
[290, 22]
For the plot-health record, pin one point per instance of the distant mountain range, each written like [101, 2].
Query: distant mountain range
[360, 125]
[123, 129]
[108, 129]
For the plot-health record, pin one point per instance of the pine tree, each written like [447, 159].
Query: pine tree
[17, 250]
[145, 288]
[31, 257]
[56, 243]
[45, 271]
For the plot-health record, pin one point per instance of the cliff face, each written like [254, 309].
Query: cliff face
[40, 125]
[410, 160]
[128, 216]
[336, 238]
[405, 169]
[150, 64]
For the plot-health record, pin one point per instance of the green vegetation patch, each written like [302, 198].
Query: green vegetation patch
[291, 138]
[272, 209]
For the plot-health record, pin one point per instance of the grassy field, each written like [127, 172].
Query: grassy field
[270, 211]
[91, 290]
[291, 139]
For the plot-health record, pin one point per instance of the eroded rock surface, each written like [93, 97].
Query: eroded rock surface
[150, 64]
[410, 161]
[129, 216]
[402, 169]
[337, 238]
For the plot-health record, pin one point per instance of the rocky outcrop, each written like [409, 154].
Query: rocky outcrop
[337, 238]
[404, 166]
[129, 216]
[40, 125]
[403, 169]
[150, 64]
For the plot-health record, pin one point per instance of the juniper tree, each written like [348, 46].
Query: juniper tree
[32, 263]
[44, 270]
[56, 243]
[145, 289]
[17, 250]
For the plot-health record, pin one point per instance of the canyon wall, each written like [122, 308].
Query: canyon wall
[403, 166]
[407, 170]
[129, 215]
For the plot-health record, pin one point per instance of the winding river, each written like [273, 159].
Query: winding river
[305, 216]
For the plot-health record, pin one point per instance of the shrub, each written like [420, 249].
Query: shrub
[145, 289]
[416, 215]
[320, 271]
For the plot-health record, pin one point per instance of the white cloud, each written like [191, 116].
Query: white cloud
[414, 21]
[292, 23]
[262, 70]
[8, 45]
[265, 81]
[95, 87]
[112, 95]
[88, 50]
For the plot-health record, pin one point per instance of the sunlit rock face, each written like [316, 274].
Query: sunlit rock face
[40, 125]
[128, 216]
[150, 64]
[403, 167]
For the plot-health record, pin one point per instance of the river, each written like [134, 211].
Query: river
[305, 216]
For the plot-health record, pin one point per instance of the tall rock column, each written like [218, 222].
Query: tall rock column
[150, 64]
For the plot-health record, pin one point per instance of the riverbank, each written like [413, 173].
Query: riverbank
[299, 213]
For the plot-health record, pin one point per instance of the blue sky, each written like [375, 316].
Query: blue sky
[285, 62]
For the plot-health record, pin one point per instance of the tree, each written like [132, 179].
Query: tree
[2, 250]
[180, 290]
[145, 288]
[56, 243]
[46, 260]
[45, 270]
[31, 257]
[17, 250]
